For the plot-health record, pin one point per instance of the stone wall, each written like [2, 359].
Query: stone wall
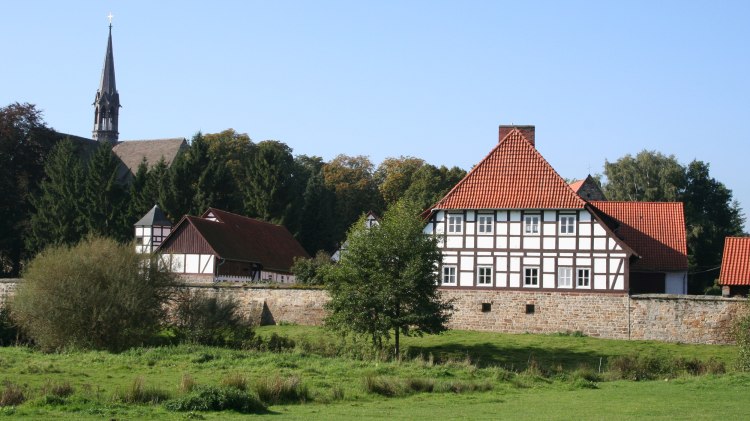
[671, 318]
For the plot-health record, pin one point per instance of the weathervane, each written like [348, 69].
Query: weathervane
[110, 16]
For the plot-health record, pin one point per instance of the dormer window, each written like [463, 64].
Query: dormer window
[531, 224]
[455, 224]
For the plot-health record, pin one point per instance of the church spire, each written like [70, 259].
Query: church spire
[107, 101]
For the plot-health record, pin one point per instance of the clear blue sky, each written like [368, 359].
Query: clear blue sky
[431, 79]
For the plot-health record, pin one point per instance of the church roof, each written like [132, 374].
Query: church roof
[239, 238]
[132, 152]
[735, 262]
[107, 83]
[155, 216]
[513, 176]
[654, 230]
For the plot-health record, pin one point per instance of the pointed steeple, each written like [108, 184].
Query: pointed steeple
[107, 101]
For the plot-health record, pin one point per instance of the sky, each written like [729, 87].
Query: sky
[430, 79]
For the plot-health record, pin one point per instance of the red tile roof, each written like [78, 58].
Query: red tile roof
[513, 176]
[576, 185]
[654, 230]
[236, 237]
[735, 263]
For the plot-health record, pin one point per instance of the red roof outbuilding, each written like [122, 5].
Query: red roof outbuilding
[735, 262]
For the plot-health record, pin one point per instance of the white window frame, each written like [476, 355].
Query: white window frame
[455, 223]
[484, 223]
[531, 224]
[567, 225]
[531, 274]
[449, 272]
[583, 281]
[484, 275]
[565, 277]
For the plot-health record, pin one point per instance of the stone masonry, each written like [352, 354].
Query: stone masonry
[670, 318]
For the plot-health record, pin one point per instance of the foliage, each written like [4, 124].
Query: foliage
[317, 219]
[103, 201]
[386, 280]
[10, 334]
[98, 294]
[139, 392]
[212, 398]
[429, 184]
[57, 217]
[200, 318]
[650, 176]
[25, 142]
[12, 395]
[394, 176]
[275, 390]
[268, 182]
[310, 271]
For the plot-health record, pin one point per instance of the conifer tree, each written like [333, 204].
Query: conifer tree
[57, 217]
[104, 197]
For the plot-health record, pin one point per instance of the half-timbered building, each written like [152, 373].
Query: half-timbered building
[514, 224]
[221, 246]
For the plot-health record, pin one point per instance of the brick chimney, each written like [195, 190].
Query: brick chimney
[527, 131]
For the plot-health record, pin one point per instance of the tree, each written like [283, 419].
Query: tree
[104, 203]
[268, 182]
[57, 217]
[429, 184]
[394, 176]
[710, 216]
[649, 177]
[99, 294]
[386, 281]
[25, 142]
[316, 222]
[310, 271]
[351, 180]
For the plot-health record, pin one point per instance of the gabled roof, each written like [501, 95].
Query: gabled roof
[735, 262]
[154, 217]
[132, 152]
[576, 185]
[513, 176]
[654, 230]
[588, 189]
[239, 238]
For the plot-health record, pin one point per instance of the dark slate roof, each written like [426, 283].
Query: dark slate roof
[154, 217]
[239, 238]
[107, 85]
[132, 152]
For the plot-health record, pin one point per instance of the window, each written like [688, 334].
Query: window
[455, 223]
[564, 277]
[531, 224]
[567, 224]
[484, 275]
[530, 309]
[485, 223]
[449, 275]
[531, 277]
[486, 307]
[584, 276]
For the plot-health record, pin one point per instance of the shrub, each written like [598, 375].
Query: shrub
[420, 384]
[140, 393]
[212, 398]
[209, 320]
[274, 343]
[275, 390]
[10, 334]
[308, 271]
[12, 395]
[742, 336]
[384, 386]
[98, 294]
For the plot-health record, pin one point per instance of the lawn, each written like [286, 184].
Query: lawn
[457, 375]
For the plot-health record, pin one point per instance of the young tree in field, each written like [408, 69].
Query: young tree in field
[386, 282]
[57, 217]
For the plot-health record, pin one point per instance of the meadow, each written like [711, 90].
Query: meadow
[456, 375]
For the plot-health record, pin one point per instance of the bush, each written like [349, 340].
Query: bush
[209, 320]
[276, 390]
[742, 336]
[12, 395]
[308, 271]
[98, 294]
[384, 386]
[9, 332]
[212, 398]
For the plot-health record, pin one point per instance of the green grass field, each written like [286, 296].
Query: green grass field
[471, 375]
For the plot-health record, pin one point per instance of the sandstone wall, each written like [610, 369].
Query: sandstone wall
[671, 318]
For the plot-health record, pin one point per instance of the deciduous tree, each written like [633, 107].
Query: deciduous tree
[386, 282]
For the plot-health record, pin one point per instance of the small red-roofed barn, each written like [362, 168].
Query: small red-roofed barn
[221, 246]
[735, 267]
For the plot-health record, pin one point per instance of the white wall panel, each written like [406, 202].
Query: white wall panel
[466, 279]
